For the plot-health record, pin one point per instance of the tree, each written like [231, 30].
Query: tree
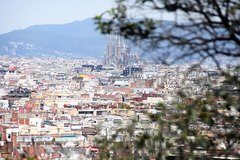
[202, 29]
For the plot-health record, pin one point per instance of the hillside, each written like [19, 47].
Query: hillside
[73, 40]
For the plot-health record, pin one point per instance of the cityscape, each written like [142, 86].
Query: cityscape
[57, 108]
[145, 80]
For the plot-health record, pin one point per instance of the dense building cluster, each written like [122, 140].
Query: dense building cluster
[58, 108]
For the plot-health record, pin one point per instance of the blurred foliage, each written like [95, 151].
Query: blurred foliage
[191, 128]
[203, 29]
[190, 131]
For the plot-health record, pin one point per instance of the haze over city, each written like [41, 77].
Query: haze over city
[147, 80]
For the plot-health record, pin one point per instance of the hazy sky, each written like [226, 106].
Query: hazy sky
[19, 14]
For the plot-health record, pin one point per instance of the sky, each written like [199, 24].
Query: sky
[20, 14]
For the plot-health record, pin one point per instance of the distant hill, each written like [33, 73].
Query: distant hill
[78, 40]
[73, 40]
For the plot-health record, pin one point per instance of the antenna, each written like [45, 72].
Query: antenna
[138, 45]
[130, 58]
[116, 49]
[107, 52]
[110, 50]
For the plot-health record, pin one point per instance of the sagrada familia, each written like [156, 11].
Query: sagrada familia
[118, 52]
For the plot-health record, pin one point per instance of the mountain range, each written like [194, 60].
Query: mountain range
[78, 39]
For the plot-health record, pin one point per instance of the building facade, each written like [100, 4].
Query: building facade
[118, 52]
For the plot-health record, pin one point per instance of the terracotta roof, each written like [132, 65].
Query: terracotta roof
[3, 110]
[23, 77]
[40, 152]
[92, 76]
[107, 96]
[11, 82]
[12, 68]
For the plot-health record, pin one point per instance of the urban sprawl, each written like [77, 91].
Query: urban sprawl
[56, 108]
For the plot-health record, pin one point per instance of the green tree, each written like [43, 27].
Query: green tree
[203, 29]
